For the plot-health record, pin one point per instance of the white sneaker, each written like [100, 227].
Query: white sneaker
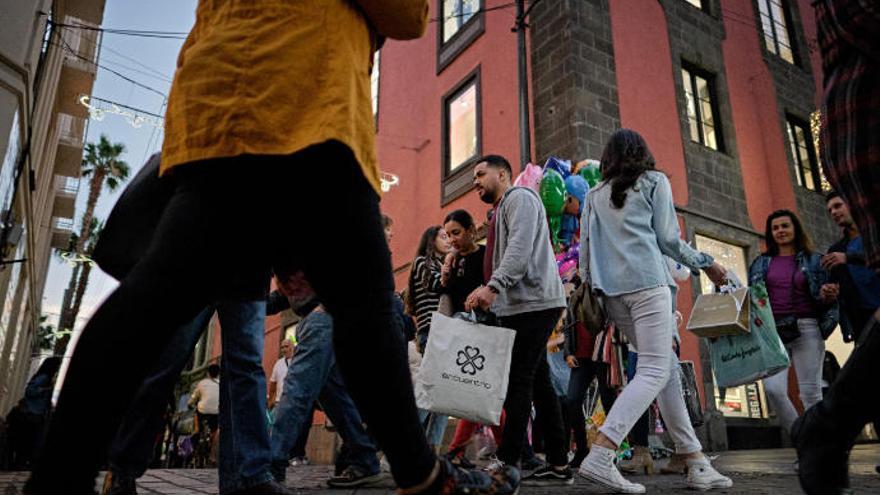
[495, 464]
[702, 476]
[599, 468]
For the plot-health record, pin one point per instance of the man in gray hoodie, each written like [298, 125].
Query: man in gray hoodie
[524, 290]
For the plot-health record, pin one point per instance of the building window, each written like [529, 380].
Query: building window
[702, 107]
[461, 142]
[774, 22]
[374, 85]
[746, 401]
[460, 23]
[457, 13]
[803, 152]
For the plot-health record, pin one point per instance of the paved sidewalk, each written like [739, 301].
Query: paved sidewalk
[769, 472]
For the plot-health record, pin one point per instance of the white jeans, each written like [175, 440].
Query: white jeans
[645, 317]
[807, 353]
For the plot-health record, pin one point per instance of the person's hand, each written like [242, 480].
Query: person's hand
[572, 362]
[555, 340]
[829, 293]
[482, 297]
[446, 269]
[716, 273]
[831, 260]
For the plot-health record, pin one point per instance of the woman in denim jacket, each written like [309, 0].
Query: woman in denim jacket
[803, 305]
[627, 226]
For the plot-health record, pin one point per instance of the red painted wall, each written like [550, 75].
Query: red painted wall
[645, 85]
[759, 133]
[409, 128]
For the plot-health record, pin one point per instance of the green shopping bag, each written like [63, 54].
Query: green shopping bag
[741, 359]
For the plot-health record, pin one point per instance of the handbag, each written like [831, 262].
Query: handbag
[690, 392]
[585, 304]
[741, 359]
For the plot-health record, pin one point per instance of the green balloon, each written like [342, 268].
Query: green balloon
[591, 173]
[553, 193]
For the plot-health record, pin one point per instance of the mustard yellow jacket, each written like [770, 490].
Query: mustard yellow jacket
[272, 77]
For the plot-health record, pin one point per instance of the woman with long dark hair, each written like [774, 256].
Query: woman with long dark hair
[805, 313]
[627, 226]
[422, 299]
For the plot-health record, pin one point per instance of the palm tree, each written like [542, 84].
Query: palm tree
[79, 280]
[104, 169]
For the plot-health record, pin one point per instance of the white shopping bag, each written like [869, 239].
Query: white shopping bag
[465, 370]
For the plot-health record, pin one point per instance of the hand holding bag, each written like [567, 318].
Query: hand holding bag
[465, 369]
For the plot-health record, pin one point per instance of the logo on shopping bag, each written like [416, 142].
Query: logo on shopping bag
[470, 360]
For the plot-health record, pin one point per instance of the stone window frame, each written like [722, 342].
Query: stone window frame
[712, 82]
[448, 51]
[456, 183]
[792, 121]
[789, 30]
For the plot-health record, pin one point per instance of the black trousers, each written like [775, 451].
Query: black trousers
[227, 225]
[530, 381]
[581, 378]
[851, 401]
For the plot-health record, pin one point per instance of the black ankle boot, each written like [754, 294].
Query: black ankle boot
[823, 456]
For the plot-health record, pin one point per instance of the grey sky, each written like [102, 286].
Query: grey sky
[160, 56]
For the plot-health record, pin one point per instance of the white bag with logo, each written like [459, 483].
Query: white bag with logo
[465, 370]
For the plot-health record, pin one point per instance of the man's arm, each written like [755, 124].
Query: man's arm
[522, 213]
[397, 19]
[273, 389]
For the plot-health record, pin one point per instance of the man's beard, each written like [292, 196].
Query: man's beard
[488, 197]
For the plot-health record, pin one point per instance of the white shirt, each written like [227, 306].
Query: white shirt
[279, 371]
[207, 396]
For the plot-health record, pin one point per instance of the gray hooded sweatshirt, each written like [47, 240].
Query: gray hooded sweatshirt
[524, 267]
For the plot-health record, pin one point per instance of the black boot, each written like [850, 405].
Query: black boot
[824, 435]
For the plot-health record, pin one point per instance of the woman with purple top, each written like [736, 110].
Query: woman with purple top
[805, 312]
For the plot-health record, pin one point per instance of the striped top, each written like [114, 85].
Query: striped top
[425, 291]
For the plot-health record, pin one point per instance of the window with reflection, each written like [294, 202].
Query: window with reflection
[462, 130]
[774, 23]
[456, 13]
[702, 107]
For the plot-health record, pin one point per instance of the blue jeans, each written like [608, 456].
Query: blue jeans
[244, 433]
[132, 449]
[244, 442]
[435, 426]
[313, 375]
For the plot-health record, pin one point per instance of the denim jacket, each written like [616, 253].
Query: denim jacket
[810, 265]
[622, 248]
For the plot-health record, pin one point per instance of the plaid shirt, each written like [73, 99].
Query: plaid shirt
[850, 45]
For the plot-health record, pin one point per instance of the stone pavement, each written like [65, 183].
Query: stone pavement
[767, 472]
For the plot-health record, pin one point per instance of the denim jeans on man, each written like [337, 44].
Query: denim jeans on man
[312, 376]
[807, 354]
[133, 448]
[646, 320]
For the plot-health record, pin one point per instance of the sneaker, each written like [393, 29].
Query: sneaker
[547, 475]
[532, 464]
[352, 477]
[485, 453]
[460, 460]
[117, 484]
[299, 461]
[494, 464]
[458, 481]
[702, 476]
[599, 468]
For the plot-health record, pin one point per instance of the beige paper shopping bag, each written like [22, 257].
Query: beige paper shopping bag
[720, 314]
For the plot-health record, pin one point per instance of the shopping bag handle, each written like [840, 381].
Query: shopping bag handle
[477, 315]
